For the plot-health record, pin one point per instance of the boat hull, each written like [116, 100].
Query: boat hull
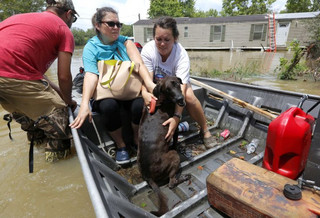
[122, 192]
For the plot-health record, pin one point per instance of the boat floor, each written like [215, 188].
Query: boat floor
[196, 161]
[124, 193]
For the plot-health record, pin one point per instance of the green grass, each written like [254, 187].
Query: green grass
[237, 72]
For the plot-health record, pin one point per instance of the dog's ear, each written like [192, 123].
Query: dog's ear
[180, 81]
[156, 90]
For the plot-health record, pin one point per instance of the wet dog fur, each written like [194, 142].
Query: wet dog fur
[158, 163]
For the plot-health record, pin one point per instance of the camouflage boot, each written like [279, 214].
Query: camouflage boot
[57, 130]
[57, 150]
[39, 138]
[33, 132]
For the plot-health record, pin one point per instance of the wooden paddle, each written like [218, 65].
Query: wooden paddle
[235, 100]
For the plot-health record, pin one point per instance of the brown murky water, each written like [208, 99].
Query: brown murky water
[53, 190]
[262, 63]
[59, 190]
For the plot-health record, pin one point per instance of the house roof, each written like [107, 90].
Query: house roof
[233, 19]
[291, 16]
[200, 20]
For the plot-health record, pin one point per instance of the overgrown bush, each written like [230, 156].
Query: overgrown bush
[241, 71]
[238, 72]
[211, 74]
[289, 69]
[81, 37]
[313, 50]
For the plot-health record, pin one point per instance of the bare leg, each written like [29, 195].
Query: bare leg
[117, 137]
[122, 156]
[195, 110]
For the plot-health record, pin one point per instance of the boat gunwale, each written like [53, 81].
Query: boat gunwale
[98, 205]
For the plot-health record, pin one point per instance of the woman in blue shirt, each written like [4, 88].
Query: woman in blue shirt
[109, 44]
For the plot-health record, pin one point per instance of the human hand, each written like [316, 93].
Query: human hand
[147, 96]
[82, 115]
[173, 123]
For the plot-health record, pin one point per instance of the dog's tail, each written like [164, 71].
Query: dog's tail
[163, 205]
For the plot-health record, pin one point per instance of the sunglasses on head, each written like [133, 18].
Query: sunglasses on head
[112, 23]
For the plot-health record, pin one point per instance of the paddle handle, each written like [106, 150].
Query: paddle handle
[235, 100]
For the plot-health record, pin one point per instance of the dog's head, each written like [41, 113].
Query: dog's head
[169, 89]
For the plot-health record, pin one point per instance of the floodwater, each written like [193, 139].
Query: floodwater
[59, 190]
[53, 190]
[261, 66]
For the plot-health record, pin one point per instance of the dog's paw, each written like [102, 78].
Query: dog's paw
[174, 182]
[185, 177]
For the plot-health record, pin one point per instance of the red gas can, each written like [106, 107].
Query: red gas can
[288, 143]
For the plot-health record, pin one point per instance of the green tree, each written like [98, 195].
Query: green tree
[289, 69]
[89, 34]
[127, 30]
[313, 50]
[313, 27]
[245, 7]
[187, 7]
[315, 5]
[12, 7]
[298, 6]
[80, 36]
[210, 13]
[177, 8]
[160, 8]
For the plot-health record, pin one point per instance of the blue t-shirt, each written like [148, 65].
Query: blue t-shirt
[95, 51]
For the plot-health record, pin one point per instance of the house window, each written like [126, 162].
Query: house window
[217, 30]
[258, 32]
[148, 34]
[217, 33]
[186, 34]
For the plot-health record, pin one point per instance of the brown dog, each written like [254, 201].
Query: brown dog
[156, 162]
